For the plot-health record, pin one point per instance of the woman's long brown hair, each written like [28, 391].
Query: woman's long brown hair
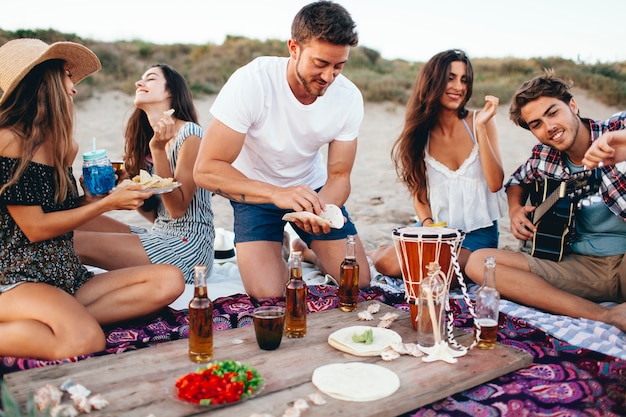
[138, 129]
[41, 108]
[422, 111]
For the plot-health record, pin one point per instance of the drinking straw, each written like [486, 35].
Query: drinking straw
[94, 143]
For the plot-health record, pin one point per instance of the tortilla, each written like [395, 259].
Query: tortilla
[383, 339]
[332, 216]
[356, 381]
[150, 181]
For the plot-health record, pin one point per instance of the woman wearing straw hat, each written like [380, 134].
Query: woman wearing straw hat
[51, 307]
[164, 144]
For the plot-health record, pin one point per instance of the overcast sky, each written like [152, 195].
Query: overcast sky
[409, 29]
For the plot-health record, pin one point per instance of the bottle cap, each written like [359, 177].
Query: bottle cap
[94, 154]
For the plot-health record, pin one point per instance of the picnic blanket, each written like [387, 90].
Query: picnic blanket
[589, 334]
[564, 379]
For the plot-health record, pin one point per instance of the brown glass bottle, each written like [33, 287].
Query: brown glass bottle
[349, 278]
[487, 307]
[200, 320]
[295, 299]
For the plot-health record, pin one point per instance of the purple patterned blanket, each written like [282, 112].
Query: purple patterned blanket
[564, 380]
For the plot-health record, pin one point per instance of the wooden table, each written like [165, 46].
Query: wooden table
[139, 383]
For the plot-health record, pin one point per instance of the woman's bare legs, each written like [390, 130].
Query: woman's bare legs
[385, 261]
[41, 321]
[129, 293]
[110, 251]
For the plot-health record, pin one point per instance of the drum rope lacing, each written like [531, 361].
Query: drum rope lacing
[410, 293]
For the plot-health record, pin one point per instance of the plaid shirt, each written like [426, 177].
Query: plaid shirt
[548, 162]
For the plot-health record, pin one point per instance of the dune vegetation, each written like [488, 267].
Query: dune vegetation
[208, 66]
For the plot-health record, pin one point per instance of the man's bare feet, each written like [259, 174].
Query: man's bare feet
[307, 254]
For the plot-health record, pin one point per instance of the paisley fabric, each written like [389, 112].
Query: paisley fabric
[563, 380]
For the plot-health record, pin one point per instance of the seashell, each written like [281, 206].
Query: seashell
[413, 350]
[389, 355]
[365, 315]
[169, 112]
[301, 404]
[400, 348]
[47, 396]
[63, 410]
[389, 316]
[292, 412]
[78, 390]
[373, 308]
[98, 402]
[385, 324]
[317, 399]
[82, 403]
[66, 385]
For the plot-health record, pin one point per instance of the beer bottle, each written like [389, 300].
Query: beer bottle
[295, 299]
[200, 319]
[487, 307]
[349, 278]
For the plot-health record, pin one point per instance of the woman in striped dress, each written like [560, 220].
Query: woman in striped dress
[166, 144]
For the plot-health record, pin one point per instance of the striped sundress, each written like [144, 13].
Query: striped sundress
[188, 240]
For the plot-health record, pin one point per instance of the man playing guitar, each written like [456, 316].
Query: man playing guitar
[594, 269]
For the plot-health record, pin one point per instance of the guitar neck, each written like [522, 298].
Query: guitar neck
[579, 185]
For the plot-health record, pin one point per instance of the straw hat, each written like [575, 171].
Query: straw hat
[19, 56]
[224, 246]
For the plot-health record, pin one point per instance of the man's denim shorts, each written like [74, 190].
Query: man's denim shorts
[263, 222]
[487, 237]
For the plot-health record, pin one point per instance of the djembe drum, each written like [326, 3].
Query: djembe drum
[416, 248]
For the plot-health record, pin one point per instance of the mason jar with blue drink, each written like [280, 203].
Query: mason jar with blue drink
[98, 173]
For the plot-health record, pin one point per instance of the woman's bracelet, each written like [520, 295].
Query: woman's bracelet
[428, 218]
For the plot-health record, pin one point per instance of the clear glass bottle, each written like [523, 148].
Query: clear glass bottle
[349, 278]
[200, 319]
[488, 306]
[431, 303]
[98, 172]
[295, 299]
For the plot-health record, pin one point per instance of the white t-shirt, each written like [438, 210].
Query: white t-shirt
[284, 136]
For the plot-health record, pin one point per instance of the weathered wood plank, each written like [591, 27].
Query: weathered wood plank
[139, 383]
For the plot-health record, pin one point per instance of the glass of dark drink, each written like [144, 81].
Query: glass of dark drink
[269, 322]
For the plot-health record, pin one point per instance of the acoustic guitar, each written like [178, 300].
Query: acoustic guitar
[556, 203]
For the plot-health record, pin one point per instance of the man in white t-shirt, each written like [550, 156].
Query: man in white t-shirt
[263, 148]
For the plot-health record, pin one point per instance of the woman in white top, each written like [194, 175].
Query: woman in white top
[449, 158]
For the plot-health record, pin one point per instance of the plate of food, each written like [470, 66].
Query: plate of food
[363, 340]
[331, 216]
[163, 190]
[154, 183]
[218, 384]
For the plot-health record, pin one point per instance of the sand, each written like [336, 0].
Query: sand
[378, 202]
